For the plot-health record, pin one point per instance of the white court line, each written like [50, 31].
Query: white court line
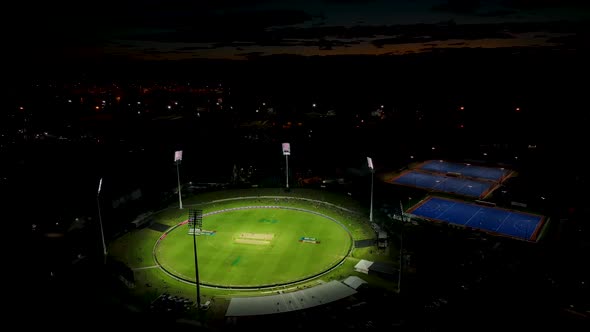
[503, 221]
[145, 267]
[468, 220]
[447, 209]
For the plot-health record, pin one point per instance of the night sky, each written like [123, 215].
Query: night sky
[242, 29]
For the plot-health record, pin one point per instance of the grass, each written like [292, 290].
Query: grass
[135, 248]
[282, 258]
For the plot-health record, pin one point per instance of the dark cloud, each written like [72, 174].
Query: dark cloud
[267, 18]
[193, 48]
[333, 37]
[554, 27]
[58, 23]
[233, 44]
[223, 28]
[326, 44]
[534, 4]
[577, 41]
[458, 6]
[152, 50]
[73, 27]
[426, 49]
[125, 45]
[497, 13]
[340, 32]
[349, 1]
[250, 55]
[432, 33]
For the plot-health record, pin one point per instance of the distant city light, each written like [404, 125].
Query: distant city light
[381, 106]
[518, 109]
[433, 148]
[139, 103]
[462, 108]
[69, 100]
[411, 157]
[96, 107]
[169, 107]
[263, 104]
[313, 105]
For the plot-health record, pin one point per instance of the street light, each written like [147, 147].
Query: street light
[370, 163]
[104, 247]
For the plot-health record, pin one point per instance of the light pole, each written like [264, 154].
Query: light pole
[370, 163]
[195, 221]
[104, 247]
[401, 250]
[287, 171]
[286, 153]
[177, 160]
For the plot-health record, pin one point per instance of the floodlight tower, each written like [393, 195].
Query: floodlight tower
[104, 247]
[287, 153]
[177, 160]
[401, 249]
[195, 222]
[370, 163]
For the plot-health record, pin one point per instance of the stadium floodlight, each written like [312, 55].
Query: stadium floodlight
[370, 163]
[195, 221]
[177, 160]
[401, 249]
[104, 247]
[287, 153]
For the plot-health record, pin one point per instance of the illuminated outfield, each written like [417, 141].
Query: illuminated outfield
[226, 263]
[255, 247]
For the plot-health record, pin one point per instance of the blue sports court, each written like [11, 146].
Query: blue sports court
[510, 223]
[455, 185]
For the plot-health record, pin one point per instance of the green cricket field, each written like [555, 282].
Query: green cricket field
[255, 247]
